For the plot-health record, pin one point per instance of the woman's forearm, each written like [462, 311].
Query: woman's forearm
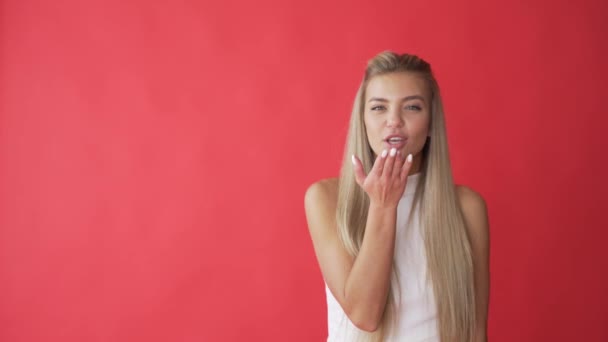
[368, 283]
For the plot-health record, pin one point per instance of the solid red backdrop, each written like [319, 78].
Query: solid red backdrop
[154, 157]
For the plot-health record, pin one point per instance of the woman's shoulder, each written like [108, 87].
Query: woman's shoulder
[475, 212]
[468, 196]
[322, 192]
[320, 203]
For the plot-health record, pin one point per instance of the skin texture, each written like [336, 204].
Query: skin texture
[476, 218]
[359, 284]
[396, 103]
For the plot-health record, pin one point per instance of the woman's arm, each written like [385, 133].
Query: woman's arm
[476, 218]
[359, 284]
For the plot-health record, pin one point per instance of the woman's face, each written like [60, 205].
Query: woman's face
[397, 114]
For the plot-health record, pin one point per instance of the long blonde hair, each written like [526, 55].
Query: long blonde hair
[448, 250]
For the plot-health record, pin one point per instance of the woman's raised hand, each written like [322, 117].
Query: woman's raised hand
[386, 181]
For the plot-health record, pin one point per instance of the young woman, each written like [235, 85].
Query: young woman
[404, 252]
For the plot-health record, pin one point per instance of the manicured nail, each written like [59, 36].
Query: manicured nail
[409, 158]
[384, 153]
[393, 152]
[353, 159]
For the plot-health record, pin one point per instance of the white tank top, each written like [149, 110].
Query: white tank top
[416, 319]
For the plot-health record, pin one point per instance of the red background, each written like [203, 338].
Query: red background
[154, 157]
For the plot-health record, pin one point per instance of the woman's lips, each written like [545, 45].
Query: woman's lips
[394, 143]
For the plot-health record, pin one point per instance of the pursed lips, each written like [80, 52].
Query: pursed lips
[396, 141]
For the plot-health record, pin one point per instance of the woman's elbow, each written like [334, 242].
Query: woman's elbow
[368, 326]
[364, 321]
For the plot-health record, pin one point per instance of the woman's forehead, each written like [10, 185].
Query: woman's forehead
[396, 85]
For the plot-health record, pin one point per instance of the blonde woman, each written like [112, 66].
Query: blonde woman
[404, 252]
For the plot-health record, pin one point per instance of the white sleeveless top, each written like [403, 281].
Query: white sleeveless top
[416, 311]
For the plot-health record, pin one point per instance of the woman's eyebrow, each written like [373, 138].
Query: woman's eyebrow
[407, 98]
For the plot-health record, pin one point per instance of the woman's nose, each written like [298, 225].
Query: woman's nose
[394, 120]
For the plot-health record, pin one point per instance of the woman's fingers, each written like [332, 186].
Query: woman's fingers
[389, 163]
[405, 169]
[379, 164]
[399, 159]
[386, 180]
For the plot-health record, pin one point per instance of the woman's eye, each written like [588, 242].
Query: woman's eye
[377, 107]
[414, 107]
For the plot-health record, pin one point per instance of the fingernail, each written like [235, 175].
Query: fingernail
[409, 158]
[384, 153]
[393, 152]
[353, 159]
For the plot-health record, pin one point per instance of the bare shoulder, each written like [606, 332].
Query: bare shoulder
[469, 198]
[476, 220]
[335, 262]
[321, 194]
[321, 200]
[475, 213]
[326, 188]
